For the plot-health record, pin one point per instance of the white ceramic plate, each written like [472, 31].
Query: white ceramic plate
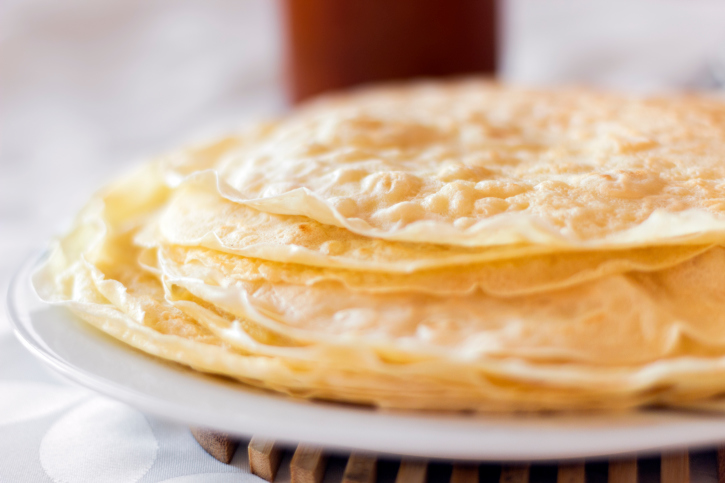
[97, 361]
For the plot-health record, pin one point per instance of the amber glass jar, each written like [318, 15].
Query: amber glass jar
[331, 44]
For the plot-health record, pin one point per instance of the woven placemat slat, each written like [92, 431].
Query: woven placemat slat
[307, 465]
[264, 458]
[464, 473]
[412, 471]
[623, 470]
[514, 474]
[721, 464]
[219, 445]
[675, 467]
[571, 473]
[361, 468]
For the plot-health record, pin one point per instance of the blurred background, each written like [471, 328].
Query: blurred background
[88, 86]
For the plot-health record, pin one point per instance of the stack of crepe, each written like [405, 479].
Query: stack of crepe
[453, 246]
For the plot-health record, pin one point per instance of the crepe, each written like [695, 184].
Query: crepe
[480, 164]
[502, 278]
[128, 303]
[599, 286]
[614, 320]
[196, 215]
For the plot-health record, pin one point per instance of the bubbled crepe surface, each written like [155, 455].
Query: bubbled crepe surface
[482, 164]
[434, 246]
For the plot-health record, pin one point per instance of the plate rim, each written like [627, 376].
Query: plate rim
[170, 410]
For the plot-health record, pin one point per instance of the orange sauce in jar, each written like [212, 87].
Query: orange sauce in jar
[332, 44]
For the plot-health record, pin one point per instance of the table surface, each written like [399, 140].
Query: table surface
[90, 88]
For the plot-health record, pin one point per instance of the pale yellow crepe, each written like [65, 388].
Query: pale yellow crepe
[614, 320]
[478, 164]
[502, 278]
[196, 216]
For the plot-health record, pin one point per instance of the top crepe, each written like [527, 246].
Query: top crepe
[476, 163]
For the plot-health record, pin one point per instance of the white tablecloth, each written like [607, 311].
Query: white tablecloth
[89, 87]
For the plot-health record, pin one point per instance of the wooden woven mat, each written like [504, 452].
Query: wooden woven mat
[308, 465]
